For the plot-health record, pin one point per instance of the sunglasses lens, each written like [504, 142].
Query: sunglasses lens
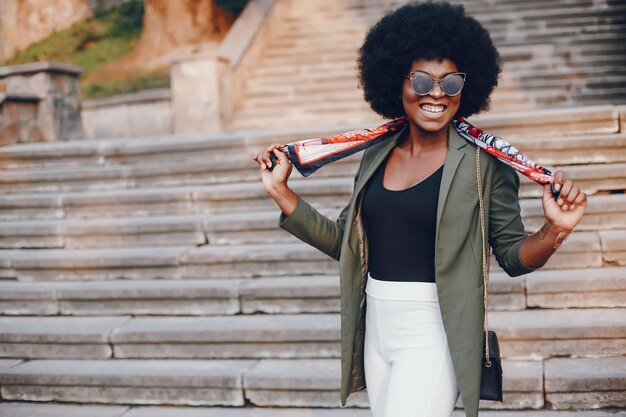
[452, 84]
[422, 83]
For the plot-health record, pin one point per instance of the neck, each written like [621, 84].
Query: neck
[419, 141]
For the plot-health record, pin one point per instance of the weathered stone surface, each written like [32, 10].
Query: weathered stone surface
[58, 329]
[131, 263]
[594, 287]
[586, 400]
[140, 113]
[164, 297]
[158, 231]
[30, 234]
[127, 381]
[312, 294]
[256, 260]
[57, 337]
[30, 206]
[613, 246]
[230, 337]
[8, 409]
[247, 197]
[126, 203]
[121, 297]
[585, 374]
[8, 363]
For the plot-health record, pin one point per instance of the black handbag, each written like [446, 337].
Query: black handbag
[491, 370]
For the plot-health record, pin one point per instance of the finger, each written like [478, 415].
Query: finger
[573, 193]
[282, 158]
[558, 179]
[566, 188]
[269, 149]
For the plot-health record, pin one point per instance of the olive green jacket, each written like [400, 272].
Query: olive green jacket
[458, 255]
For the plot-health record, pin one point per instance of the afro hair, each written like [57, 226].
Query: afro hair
[430, 30]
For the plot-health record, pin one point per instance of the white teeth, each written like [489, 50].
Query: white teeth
[432, 109]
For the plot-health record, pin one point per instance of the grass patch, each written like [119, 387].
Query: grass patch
[135, 82]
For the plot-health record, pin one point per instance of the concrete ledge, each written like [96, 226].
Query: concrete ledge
[127, 381]
[33, 67]
[8, 409]
[586, 382]
[582, 288]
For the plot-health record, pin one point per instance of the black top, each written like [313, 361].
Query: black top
[400, 227]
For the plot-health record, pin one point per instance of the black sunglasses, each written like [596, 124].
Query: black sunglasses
[423, 83]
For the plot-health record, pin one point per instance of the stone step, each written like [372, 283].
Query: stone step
[27, 409]
[575, 288]
[232, 146]
[19, 409]
[170, 382]
[224, 261]
[488, 13]
[579, 383]
[604, 212]
[164, 297]
[591, 178]
[546, 289]
[583, 249]
[528, 334]
[272, 383]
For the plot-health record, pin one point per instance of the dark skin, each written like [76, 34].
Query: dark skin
[424, 150]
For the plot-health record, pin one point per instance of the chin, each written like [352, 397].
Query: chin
[431, 126]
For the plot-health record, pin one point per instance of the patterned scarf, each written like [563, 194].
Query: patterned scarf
[311, 154]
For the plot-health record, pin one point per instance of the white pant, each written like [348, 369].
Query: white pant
[408, 369]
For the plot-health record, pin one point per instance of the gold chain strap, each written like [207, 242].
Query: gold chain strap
[486, 258]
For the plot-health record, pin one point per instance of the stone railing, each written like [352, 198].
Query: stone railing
[48, 98]
[206, 87]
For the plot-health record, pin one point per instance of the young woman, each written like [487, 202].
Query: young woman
[409, 241]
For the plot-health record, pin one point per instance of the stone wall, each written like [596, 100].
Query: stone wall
[128, 115]
[23, 22]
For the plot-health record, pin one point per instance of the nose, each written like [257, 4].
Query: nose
[437, 91]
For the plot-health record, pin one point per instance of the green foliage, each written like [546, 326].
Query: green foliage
[232, 6]
[92, 42]
[136, 82]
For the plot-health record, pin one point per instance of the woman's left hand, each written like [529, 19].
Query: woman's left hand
[568, 209]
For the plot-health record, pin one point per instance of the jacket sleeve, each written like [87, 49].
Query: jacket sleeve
[506, 230]
[315, 229]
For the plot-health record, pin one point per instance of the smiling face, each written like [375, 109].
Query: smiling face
[430, 113]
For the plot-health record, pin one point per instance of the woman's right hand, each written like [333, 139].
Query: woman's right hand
[276, 179]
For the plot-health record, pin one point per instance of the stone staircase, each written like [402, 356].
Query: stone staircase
[556, 53]
[148, 277]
